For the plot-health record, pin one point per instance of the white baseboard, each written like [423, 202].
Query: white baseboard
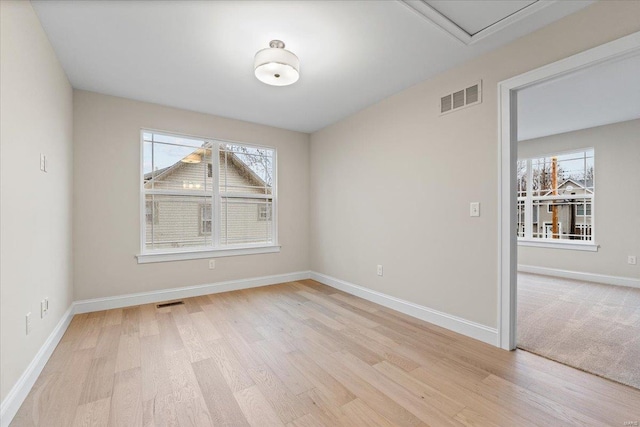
[22, 387]
[577, 275]
[457, 324]
[107, 303]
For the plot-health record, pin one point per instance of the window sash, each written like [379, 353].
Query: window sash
[215, 194]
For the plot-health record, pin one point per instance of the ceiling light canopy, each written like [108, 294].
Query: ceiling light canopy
[277, 66]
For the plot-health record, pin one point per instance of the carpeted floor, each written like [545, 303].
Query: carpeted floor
[586, 325]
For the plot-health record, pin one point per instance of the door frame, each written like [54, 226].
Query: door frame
[508, 154]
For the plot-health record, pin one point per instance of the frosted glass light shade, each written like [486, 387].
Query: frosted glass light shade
[277, 66]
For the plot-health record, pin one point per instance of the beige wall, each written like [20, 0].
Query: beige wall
[617, 200]
[107, 208]
[35, 217]
[392, 184]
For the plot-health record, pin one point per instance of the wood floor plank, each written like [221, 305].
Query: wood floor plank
[409, 399]
[93, 414]
[131, 321]
[285, 403]
[355, 302]
[159, 404]
[108, 341]
[192, 409]
[205, 327]
[128, 353]
[256, 409]
[99, 382]
[363, 389]
[223, 408]
[320, 378]
[308, 420]
[536, 407]
[427, 393]
[294, 380]
[91, 333]
[169, 335]
[59, 411]
[476, 405]
[113, 317]
[332, 305]
[323, 408]
[302, 354]
[359, 414]
[196, 347]
[232, 371]
[149, 328]
[126, 401]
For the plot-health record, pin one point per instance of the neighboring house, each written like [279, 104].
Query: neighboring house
[181, 221]
[574, 213]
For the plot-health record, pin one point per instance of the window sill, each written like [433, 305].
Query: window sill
[575, 246]
[207, 253]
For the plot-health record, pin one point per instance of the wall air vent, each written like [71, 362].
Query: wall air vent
[461, 98]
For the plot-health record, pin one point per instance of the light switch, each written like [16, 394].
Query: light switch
[474, 209]
[43, 162]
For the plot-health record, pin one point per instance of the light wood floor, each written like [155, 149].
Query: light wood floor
[302, 354]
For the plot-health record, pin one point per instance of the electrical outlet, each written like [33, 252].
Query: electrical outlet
[28, 323]
[212, 264]
[379, 270]
[631, 259]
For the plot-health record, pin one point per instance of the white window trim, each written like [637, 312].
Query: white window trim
[152, 257]
[575, 245]
[162, 255]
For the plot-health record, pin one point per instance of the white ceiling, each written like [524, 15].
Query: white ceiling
[198, 55]
[600, 95]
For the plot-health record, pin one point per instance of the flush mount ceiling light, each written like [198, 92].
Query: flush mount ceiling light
[277, 66]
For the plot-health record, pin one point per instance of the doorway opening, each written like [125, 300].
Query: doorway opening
[554, 217]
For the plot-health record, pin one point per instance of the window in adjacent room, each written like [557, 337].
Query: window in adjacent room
[556, 196]
[208, 192]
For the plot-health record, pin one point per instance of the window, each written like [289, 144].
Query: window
[205, 219]
[563, 186]
[581, 211]
[264, 212]
[208, 192]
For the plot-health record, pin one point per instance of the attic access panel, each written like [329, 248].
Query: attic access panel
[469, 20]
